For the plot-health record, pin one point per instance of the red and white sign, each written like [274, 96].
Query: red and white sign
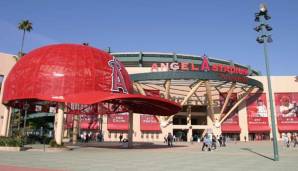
[287, 111]
[149, 123]
[118, 122]
[257, 114]
[89, 122]
[205, 66]
[69, 121]
[231, 124]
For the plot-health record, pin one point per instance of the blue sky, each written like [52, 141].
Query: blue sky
[218, 28]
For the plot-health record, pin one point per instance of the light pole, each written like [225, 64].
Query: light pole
[264, 38]
[25, 107]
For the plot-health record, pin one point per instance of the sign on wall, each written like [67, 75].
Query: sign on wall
[89, 122]
[149, 123]
[287, 111]
[257, 113]
[118, 122]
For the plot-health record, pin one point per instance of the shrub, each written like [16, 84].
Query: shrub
[11, 141]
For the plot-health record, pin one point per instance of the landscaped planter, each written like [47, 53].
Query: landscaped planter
[5, 148]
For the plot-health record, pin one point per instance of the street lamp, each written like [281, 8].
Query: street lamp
[262, 16]
[25, 107]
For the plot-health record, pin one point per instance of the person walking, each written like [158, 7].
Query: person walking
[120, 137]
[295, 140]
[170, 140]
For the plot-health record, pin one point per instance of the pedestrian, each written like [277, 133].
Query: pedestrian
[220, 140]
[295, 139]
[223, 141]
[244, 138]
[120, 137]
[170, 140]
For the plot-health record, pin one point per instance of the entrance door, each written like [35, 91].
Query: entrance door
[197, 134]
[180, 134]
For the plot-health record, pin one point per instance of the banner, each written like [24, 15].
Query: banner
[118, 122]
[68, 121]
[231, 124]
[257, 113]
[89, 122]
[287, 111]
[149, 123]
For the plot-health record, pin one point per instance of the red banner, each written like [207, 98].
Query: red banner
[257, 113]
[69, 121]
[287, 111]
[118, 122]
[89, 122]
[231, 124]
[155, 93]
[149, 123]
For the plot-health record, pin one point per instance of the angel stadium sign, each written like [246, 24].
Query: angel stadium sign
[205, 66]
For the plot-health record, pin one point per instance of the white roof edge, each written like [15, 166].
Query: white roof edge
[6, 54]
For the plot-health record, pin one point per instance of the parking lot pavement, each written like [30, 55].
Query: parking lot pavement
[157, 156]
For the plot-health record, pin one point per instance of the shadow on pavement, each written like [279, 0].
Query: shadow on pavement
[259, 154]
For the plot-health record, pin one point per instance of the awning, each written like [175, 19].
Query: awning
[149, 123]
[258, 128]
[135, 102]
[230, 128]
[288, 128]
[118, 122]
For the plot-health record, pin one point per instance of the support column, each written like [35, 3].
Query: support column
[59, 124]
[130, 129]
[75, 129]
[237, 104]
[167, 86]
[210, 109]
[9, 121]
[5, 125]
[140, 88]
[189, 134]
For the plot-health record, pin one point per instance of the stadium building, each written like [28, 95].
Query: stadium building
[216, 95]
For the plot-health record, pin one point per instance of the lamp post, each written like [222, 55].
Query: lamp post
[261, 17]
[25, 107]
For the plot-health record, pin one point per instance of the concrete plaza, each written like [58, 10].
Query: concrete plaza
[183, 156]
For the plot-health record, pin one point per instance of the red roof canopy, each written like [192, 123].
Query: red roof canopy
[258, 128]
[72, 73]
[230, 128]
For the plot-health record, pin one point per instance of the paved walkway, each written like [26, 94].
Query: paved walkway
[240, 156]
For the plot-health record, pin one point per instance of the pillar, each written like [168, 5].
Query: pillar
[130, 129]
[189, 134]
[5, 123]
[59, 124]
[243, 121]
[75, 129]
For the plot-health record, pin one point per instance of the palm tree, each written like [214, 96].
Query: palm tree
[24, 25]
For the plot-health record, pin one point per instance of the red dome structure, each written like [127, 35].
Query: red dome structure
[73, 73]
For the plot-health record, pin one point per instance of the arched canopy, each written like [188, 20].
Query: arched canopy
[70, 72]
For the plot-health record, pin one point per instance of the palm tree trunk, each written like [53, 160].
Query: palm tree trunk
[23, 39]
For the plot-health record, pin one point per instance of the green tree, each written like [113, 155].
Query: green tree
[25, 26]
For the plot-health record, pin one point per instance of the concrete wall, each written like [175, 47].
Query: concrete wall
[6, 63]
